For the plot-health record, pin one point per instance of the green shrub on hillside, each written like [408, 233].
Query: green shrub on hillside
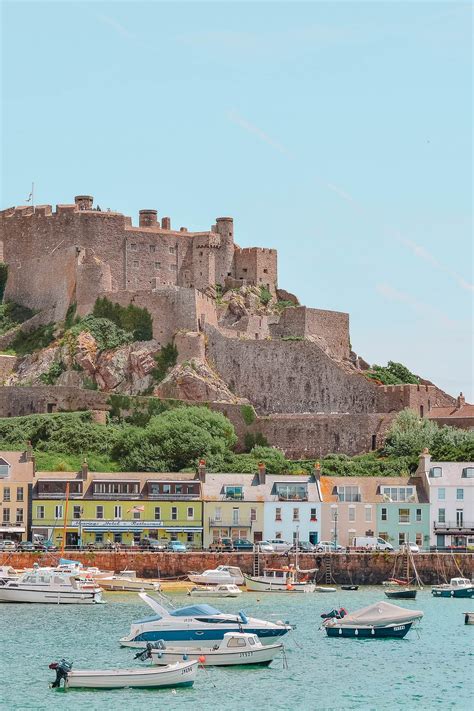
[130, 318]
[165, 360]
[265, 295]
[392, 374]
[106, 333]
[248, 414]
[12, 314]
[55, 370]
[41, 337]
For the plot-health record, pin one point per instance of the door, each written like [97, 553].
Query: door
[235, 516]
[459, 518]
[257, 536]
[72, 539]
[440, 540]
[313, 537]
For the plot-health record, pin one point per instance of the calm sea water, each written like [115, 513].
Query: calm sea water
[429, 669]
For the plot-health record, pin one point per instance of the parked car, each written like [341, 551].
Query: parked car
[265, 547]
[7, 545]
[329, 547]
[371, 543]
[26, 547]
[46, 547]
[414, 548]
[153, 544]
[222, 544]
[280, 546]
[304, 547]
[176, 547]
[243, 544]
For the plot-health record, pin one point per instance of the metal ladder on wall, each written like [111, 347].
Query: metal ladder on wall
[327, 569]
[256, 561]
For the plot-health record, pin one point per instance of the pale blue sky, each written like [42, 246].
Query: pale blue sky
[339, 133]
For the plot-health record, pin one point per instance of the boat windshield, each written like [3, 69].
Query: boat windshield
[194, 610]
[150, 618]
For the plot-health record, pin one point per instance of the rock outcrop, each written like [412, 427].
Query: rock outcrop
[195, 381]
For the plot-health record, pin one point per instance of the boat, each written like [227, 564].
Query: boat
[349, 587]
[324, 589]
[401, 589]
[45, 585]
[215, 591]
[401, 593]
[175, 675]
[8, 573]
[380, 620]
[222, 575]
[195, 625]
[283, 580]
[457, 587]
[469, 618]
[75, 567]
[235, 648]
[127, 581]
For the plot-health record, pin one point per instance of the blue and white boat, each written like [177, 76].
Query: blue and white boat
[377, 621]
[196, 625]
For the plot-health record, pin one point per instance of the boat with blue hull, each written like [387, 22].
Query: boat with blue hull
[457, 587]
[380, 621]
[197, 624]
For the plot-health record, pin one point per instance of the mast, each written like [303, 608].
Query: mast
[63, 544]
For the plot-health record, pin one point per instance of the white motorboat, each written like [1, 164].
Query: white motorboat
[215, 591]
[75, 567]
[196, 625]
[457, 587]
[323, 589]
[8, 573]
[222, 575]
[283, 580]
[127, 581]
[376, 621]
[45, 585]
[469, 618]
[179, 674]
[235, 648]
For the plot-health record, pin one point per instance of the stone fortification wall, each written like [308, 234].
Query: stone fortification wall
[40, 319]
[258, 266]
[17, 401]
[288, 376]
[421, 398]
[330, 326]
[356, 568]
[7, 364]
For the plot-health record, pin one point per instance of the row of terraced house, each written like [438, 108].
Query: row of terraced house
[433, 507]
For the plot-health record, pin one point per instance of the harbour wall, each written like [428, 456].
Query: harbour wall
[357, 568]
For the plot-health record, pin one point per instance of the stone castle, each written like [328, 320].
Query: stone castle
[292, 363]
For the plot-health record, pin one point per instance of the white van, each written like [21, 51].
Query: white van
[371, 543]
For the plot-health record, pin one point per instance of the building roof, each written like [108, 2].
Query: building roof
[370, 488]
[213, 487]
[453, 411]
[452, 473]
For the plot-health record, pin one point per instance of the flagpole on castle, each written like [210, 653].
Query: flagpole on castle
[33, 196]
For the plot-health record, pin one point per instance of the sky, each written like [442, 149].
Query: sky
[337, 132]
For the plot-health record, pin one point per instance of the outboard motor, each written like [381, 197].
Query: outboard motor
[62, 668]
[146, 653]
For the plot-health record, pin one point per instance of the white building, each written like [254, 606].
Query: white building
[292, 508]
[451, 493]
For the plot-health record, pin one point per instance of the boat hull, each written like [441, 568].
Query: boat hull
[263, 585]
[214, 579]
[469, 618]
[203, 592]
[196, 636]
[218, 658]
[392, 631]
[129, 585]
[460, 592]
[65, 597]
[183, 674]
[401, 594]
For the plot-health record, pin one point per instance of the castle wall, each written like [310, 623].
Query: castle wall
[289, 376]
[304, 322]
[258, 266]
[421, 398]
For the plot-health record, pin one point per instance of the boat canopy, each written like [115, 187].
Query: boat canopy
[65, 561]
[379, 615]
[195, 610]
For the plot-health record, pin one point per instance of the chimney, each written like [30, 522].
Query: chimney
[202, 471]
[317, 471]
[183, 229]
[262, 473]
[148, 218]
[424, 461]
[84, 202]
[460, 401]
[166, 223]
[29, 452]
[84, 469]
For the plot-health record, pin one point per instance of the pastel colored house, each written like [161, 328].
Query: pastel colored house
[451, 494]
[349, 508]
[403, 515]
[292, 508]
[117, 507]
[16, 479]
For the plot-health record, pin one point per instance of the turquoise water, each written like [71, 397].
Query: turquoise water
[430, 669]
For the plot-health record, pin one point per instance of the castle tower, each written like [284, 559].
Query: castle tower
[225, 255]
[148, 218]
[84, 202]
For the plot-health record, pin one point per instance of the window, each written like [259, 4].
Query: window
[157, 513]
[166, 488]
[233, 492]
[117, 512]
[348, 493]
[171, 250]
[157, 265]
[133, 247]
[402, 539]
[4, 468]
[99, 537]
[467, 472]
[173, 267]
[403, 515]
[265, 271]
[152, 248]
[383, 535]
[436, 472]
[383, 515]
[459, 494]
[218, 513]
[76, 512]
[6, 515]
[291, 492]
[174, 513]
[352, 514]
[314, 515]
[368, 514]
[40, 512]
[190, 513]
[113, 488]
[398, 493]
[19, 515]
[190, 537]
[419, 539]
[441, 494]
[58, 511]
[6, 493]
[135, 264]
[278, 535]
[137, 514]
[418, 515]
[99, 512]
[277, 514]
[178, 489]
[441, 515]
[253, 514]
[19, 493]
[296, 514]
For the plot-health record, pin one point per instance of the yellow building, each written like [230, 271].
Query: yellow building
[122, 508]
[233, 506]
[16, 479]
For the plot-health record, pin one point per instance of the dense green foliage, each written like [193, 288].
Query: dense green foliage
[3, 278]
[392, 374]
[250, 440]
[248, 414]
[130, 318]
[137, 411]
[13, 314]
[283, 304]
[265, 295]
[165, 360]
[106, 333]
[51, 375]
[41, 337]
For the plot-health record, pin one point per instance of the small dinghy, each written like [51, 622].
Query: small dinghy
[323, 589]
[215, 591]
[378, 621]
[469, 618]
[349, 587]
[182, 673]
[235, 648]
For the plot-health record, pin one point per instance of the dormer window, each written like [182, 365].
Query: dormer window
[468, 473]
[398, 493]
[349, 493]
[291, 492]
[436, 472]
[234, 492]
[4, 468]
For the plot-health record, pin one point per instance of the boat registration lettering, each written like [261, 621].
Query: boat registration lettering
[187, 670]
[400, 627]
[245, 654]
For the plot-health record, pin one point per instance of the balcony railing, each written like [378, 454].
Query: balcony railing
[454, 527]
[230, 523]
